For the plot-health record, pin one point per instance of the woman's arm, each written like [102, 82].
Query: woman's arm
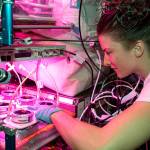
[127, 131]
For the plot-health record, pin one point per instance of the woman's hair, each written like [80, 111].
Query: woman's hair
[126, 20]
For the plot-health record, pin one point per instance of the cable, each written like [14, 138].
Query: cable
[132, 94]
[109, 104]
[110, 82]
[92, 74]
[98, 76]
[112, 91]
[73, 41]
[88, 106]
[55, 84]
[81, 60]
[13, 97]
[12, 67]
[81, 39]
[99, 102]
[107, 96]
[84, 111]
[38, 84]
[110, 94]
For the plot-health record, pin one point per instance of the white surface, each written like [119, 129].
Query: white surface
[8, 121]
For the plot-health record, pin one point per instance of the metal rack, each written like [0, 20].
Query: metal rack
[32, 137]
[36, 135]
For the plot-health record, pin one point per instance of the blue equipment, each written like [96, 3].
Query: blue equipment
[6, 36]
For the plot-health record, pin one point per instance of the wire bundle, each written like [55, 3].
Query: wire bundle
[113, 97]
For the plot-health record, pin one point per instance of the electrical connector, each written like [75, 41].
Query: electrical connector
[11, 67]
[27, 41]
[25, 38]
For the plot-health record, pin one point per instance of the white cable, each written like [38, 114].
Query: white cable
[132, 94]
[137, 83]
[99, 118]
[126, 84]
[109, 96]
[55, 85]
[99, 99]
[109, 103]
[104, 117]
[122, 81]
[12, 67]
[13, 97]
[91, 99]
[120, 85]
[95, 115]
[38, 84]
[98, 76]
[94, 85]
[103, 83]
[93, 103]
[102, 97]
[102, 108]
[95, 100]
[93, 92]
[83, 112]
[102, 93]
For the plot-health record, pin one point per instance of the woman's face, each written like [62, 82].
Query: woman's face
[121, 60]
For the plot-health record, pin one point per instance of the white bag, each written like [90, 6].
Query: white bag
[70, 77]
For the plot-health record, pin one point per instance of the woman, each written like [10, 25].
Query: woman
[124, 35]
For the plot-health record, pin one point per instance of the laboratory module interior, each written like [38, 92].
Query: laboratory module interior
[50, 55]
